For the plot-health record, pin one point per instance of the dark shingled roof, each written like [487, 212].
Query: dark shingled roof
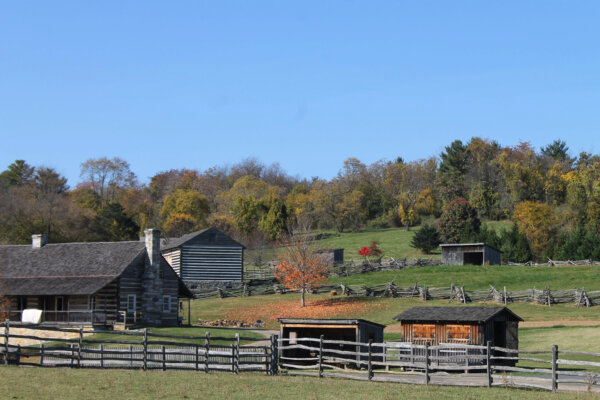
[310, 321]
[453, 314]
[66, 268]
[177, 242]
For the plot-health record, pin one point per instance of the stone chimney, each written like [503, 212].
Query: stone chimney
[38, 241]
[151, 281]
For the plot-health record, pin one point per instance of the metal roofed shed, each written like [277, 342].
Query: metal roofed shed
[470, 253]
[460, 325]
[351, 330]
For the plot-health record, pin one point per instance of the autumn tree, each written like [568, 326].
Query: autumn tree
[300, 267]
[538, 222]
[459, 220]
[184, 211]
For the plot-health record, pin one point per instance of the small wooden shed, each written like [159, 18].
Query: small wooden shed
[460, 325]
[332, 256]
[470, 253]
[351, 330]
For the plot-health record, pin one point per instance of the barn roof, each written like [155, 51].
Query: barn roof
[468, 245]
[65, 268]
[341, 322]
[454, 314]
[180, 241]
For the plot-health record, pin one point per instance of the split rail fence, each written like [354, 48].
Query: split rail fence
[579, 297]
[442, 364]
[48, 347]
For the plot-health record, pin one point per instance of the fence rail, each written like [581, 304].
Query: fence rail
[427, 364]
[45, 347]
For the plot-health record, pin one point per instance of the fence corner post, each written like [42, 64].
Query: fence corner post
[274, 355]
[321, 356]
[237, 353]
[426, 363]
[206, 351]
[145, 350]
[6, 337]
[554, 368]
[370, 360]
[489, 364]
[79, 346]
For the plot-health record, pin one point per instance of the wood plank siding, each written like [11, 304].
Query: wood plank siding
[443, 333]
[173, 257]
[199, 263]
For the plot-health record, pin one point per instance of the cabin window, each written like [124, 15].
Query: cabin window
[424, 331]
[166, 303]
[131, 300]
[458, 332]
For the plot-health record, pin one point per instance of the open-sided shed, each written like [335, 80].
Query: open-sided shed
[460, 325]
[350, 330]
[470, 253]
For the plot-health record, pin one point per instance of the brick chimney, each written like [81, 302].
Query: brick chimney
[38, 241]
[151, 280]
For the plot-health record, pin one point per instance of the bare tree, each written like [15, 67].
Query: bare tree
[107, 176]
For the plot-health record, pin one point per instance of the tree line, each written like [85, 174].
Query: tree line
[552, 197]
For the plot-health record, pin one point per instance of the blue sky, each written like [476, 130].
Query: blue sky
[306, 84]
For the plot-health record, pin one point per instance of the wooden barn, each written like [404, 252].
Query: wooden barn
[470, 253]
[460, 325]
[206, 258]
[351, 330]
[107, 284]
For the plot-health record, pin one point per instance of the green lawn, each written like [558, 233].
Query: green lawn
[54, 383]
[481, 277]
[395, 242]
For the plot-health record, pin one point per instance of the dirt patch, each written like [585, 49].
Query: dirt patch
[541, 324]
[325, 308]
[393, 328]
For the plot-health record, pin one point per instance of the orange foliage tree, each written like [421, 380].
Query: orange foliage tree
[300, 267]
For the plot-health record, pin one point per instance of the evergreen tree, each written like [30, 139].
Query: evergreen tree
[426, 239]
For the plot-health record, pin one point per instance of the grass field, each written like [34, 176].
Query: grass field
[481, 277]
[394, 242]
[28, 383]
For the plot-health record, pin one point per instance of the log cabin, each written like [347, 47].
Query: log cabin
[105, 284]
[206, 259]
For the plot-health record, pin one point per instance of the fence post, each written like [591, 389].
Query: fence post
[554, 368]
[197, 357]
[505, 300]
[489, 365]
[232, 358]
[427, 363]
[80, 344]
[237, 353]
[145, 350]
[6, 328]
[321, 356]
[18, 354]
[130, 355]
[370, 365]
[71, 345]
[164, 358]
[274, 354]
[101, 355]
[42, 354]
[206, 351]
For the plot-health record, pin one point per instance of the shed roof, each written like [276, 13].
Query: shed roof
[180, 241]
[468, 245]
[341, 322]
[453, 314]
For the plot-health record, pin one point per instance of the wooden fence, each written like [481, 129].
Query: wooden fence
[443, 364]
[48, 347]
[457, 293]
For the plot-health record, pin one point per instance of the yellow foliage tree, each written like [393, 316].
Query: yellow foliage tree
[538, 222]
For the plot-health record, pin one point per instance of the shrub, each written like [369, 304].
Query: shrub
[426, 239]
